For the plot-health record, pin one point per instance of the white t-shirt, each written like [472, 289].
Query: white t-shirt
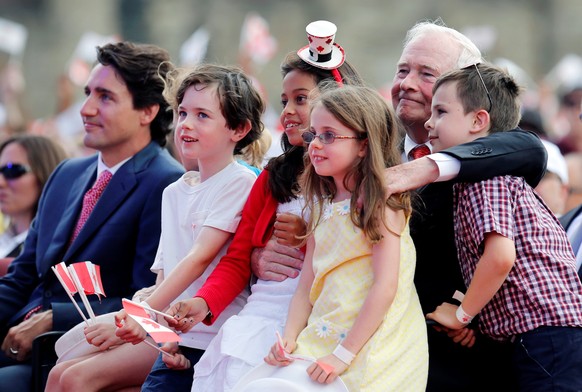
[187, 206]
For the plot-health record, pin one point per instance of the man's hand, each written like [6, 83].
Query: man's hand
[276, 261]
[287, 228]
[18, 341]
[410, 175]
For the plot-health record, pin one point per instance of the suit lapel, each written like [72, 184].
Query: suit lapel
[121, 184]
[119, 188]
[569, 216]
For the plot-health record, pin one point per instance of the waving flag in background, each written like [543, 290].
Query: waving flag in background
[256, 42]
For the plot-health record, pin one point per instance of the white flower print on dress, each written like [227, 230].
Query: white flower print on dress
[323, 329]
[343, 208]
[341, 335]
[327, 211]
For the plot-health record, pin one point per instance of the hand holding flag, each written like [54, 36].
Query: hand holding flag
[135, 334]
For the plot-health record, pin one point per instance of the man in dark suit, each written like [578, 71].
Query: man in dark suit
[465, 360]
[127, 121]
[572, 222]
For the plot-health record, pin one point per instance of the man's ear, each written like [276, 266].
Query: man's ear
[481, 121]
[149, 113]
[241, 131]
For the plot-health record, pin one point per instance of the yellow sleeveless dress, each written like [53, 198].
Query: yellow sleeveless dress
[396, 356]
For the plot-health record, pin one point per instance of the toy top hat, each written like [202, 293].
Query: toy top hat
[322, 51]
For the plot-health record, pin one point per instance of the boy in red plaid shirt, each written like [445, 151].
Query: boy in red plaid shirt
[516, 260]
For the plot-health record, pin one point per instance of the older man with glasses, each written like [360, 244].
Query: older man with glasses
[464, 361]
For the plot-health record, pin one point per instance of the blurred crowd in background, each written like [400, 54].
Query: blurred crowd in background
[551, 104]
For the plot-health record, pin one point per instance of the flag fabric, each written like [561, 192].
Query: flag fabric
[193, 50]
[90, 277]
[255, 40]
[85, 55]
[158, 332]
[12, 37]
[63, 275]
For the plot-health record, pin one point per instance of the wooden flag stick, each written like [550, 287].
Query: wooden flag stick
[70, 295]
[158, 348]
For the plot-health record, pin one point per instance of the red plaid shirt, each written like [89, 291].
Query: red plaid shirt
[543, 288]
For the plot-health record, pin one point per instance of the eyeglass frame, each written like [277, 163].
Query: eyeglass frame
[484, 86]
[17, 170]
[311, 135]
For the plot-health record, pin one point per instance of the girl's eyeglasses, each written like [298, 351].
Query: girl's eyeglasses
[327, 137]
[12, 171]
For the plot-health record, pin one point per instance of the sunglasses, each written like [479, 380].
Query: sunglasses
[484, 86]
[327, 137]
[12, 171]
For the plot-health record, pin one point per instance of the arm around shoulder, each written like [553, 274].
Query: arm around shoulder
[516, 152]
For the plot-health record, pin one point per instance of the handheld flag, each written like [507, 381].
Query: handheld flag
[158, 332]
[90, 277]
[64, 278]
[81, 291]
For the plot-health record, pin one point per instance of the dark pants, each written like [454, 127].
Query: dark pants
[14, 375]
[484, 367]
[162, 378]
[549, 359]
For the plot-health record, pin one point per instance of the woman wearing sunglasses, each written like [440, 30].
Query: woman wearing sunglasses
[26, 162]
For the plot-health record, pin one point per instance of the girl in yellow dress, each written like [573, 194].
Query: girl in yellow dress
[356, 309]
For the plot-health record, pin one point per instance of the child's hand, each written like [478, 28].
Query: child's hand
[187, 313]
[277, 357]
[445, 315]
[102, 335]
[128, 329]
[326, 369]
[465, 336]
[178, 361]
[287, 227]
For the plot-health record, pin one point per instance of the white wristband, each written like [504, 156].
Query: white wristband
[463, 317]
[343, 354]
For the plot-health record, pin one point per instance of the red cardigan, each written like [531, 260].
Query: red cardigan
[233, 272]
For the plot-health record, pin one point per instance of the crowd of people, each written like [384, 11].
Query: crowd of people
[393, 245]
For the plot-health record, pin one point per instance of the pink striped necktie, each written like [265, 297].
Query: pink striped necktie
[90, 199]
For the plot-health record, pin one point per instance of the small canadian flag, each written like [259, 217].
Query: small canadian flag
[158, 332]
[63, 275]
[89, 275]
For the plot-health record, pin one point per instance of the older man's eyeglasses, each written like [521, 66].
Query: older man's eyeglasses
[327, 137]
[12, 171]
[484, 86]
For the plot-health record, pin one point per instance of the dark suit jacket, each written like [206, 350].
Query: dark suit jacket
[438, 274]
[121, 235]
[566, 220]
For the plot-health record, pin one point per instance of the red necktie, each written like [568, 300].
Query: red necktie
[90, 199]
[419, 151]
